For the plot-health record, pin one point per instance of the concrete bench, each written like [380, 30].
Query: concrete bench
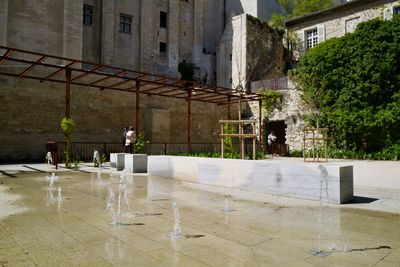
[329, 181]
[135, 163]
[117, 160]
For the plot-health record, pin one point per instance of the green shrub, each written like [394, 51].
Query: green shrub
[140, 143]
[352, 85]
[99, 163]
[229, 146]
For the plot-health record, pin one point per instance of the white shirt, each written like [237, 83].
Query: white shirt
[271, 138]
[130, 137]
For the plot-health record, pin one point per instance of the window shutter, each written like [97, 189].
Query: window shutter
[302, 42]
[321, 34]
[387, 14]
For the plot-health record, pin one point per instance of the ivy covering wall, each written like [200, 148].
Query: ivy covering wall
[352, 84]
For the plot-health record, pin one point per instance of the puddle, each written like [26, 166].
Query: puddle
[7, 203]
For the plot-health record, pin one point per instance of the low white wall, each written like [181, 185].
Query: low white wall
[293, 179]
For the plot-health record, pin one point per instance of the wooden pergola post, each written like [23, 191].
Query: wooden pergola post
[222, 140]
[137, 106]
[254, 140]
[262, 143]
[241, 132]
[67, 91]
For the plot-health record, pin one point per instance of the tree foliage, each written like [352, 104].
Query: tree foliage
[298, 8]
[271, 99]
[353, 84]
[304, 7]
[67, 125]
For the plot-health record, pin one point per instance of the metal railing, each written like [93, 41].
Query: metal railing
[84, 151]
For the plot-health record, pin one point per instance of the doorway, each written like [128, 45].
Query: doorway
[279, 128]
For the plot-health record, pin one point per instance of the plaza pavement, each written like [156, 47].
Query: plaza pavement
[220, 226]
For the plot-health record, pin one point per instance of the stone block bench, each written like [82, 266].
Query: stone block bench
[117, 160]
[135, 163]
[329, 181]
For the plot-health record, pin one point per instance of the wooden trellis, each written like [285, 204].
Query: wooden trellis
[315, 140]
[241, 135]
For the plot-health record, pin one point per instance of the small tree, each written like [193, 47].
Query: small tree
[229, 146]
[140, 143]
[67, 126]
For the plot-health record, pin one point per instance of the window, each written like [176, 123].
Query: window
[396, 10]
[311, 38]
[125, 23]
[163, 19]
[87, 15]
[351, 24]
[163, 47]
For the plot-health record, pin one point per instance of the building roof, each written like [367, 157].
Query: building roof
[333, 10]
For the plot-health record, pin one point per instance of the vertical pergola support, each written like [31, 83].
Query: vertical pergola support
[241, 132]
[260, 126]
[67, 91]
[229, 107]
[137, 125]
[189, 118]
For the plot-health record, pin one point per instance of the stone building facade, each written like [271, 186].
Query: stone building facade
[336, 22]
[147, 35]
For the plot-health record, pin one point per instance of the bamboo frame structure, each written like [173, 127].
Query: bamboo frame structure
[315, 138]
[241, 135]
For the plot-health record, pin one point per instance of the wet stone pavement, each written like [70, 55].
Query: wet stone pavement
[109, 219]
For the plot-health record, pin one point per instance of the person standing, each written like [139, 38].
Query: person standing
[271, 142]
[123, 139]
[130, 139]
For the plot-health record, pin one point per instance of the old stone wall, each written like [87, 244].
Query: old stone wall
[213, 26]
[30, 114]
[265, 53]
[249, 51]
[224, 58]
[291, 111]
[91, 34]
[31, 111]
[3, 21]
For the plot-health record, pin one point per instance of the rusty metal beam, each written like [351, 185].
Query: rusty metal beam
[87, 73]
[119, 83]
[58, 71]
[109, 77]
[189, 119]
[211, 97]
[32, 66]
[5, 55]
[163, 86]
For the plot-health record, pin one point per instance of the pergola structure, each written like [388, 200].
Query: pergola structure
[50, 68]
